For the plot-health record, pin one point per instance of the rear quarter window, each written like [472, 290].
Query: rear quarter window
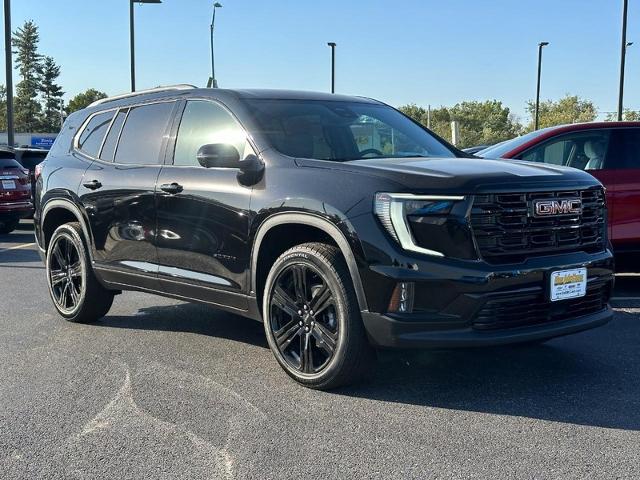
[92, 134]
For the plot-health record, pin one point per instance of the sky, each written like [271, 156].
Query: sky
[403, 51]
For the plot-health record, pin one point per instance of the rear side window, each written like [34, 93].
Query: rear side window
[142, 136]
[93, 133]
[109, 147]
[626, 149]
[586, 150]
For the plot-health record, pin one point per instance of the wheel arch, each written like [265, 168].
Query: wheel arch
[319, 223]
[58, 211]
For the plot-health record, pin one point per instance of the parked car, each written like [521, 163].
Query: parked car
[610, 151]
[474, 150]
[30, 158]
[15, 193]
[337, 221]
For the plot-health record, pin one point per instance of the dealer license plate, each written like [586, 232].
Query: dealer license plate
[567, 284]
[8, 184]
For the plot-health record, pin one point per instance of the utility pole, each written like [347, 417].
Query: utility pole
[9, 72]
[623, 55]
[333, 66]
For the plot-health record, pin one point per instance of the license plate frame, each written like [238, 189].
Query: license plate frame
[568, 284]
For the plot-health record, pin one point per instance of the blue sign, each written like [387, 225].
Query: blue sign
[42, 142]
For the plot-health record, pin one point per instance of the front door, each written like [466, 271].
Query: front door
[118, 191]
[203, 213]
[625, 160]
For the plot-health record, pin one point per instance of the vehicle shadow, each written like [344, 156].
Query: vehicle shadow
[591, 378]
[22, 234]
[191, 318]
[19, 256]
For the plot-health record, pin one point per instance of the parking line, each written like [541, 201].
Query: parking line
[16, 247]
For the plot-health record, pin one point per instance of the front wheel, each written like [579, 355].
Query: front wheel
[312, 319]
[74, 289]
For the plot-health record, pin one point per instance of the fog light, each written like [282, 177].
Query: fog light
[402, 298]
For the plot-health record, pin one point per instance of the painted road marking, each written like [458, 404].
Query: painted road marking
[16, 247]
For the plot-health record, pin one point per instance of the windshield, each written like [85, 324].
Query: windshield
[342, 131]
[497, 151]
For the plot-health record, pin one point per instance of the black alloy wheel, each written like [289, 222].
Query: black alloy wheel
[303, 318]
[65, 271]
[312, 318]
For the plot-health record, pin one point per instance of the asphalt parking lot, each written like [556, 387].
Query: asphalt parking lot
[165, 389]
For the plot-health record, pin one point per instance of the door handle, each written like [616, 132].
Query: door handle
[92, 185]
[171, 188]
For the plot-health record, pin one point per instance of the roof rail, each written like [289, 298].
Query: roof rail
[181, 86]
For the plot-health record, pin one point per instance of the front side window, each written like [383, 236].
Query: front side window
[91, 137]
[586, 150]
[342, 131]
[143, 133]
[205, 123]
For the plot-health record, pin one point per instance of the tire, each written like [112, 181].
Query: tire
[9, 226]
[321, 349]
[73, 287]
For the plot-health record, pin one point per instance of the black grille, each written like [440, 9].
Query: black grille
[506, 231]
[533, 309]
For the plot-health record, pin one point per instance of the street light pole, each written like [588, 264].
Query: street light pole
[132, 43]
[9, 71]
[541, 45]
[623, 54]
[132, 47]
[333, 66]
[213, 82]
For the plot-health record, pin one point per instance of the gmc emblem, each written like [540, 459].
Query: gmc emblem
[567, 206]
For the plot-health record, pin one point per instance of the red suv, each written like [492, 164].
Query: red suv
[610, 151]
[15, 194]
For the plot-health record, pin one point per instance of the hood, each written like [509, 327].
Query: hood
[467, 175]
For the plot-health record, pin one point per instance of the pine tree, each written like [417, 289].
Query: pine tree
[28, 61]
[52, 95]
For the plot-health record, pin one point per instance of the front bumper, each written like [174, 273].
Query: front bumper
[464, 304]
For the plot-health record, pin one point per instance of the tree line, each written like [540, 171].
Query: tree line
[38, 104]
[490, 122]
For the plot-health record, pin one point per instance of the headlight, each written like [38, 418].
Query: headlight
[394, 210]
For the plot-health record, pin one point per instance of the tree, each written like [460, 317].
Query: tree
[52, 94]
[3, 108]
[570, 109]
[84, 99]
[627, 116]
[484, 123]
[480, 123]
[27, 108]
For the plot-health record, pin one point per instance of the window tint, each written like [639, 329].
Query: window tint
[111, 141]
[91, 137]
[204, 123]
[342, 131]
[142, 135]
[585, 150]
[8, 163]
[626, 153]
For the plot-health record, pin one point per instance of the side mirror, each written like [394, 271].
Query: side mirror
[220, 155]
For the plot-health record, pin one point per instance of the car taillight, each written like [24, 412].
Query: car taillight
[38, 171]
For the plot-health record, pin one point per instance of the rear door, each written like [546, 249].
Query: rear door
[625, 163]
[202, 236]
[118, 190]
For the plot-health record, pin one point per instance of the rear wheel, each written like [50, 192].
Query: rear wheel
[312, 318]
[74, 289]
[8, 226]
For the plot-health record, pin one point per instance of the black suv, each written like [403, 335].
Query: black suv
[337, 221]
